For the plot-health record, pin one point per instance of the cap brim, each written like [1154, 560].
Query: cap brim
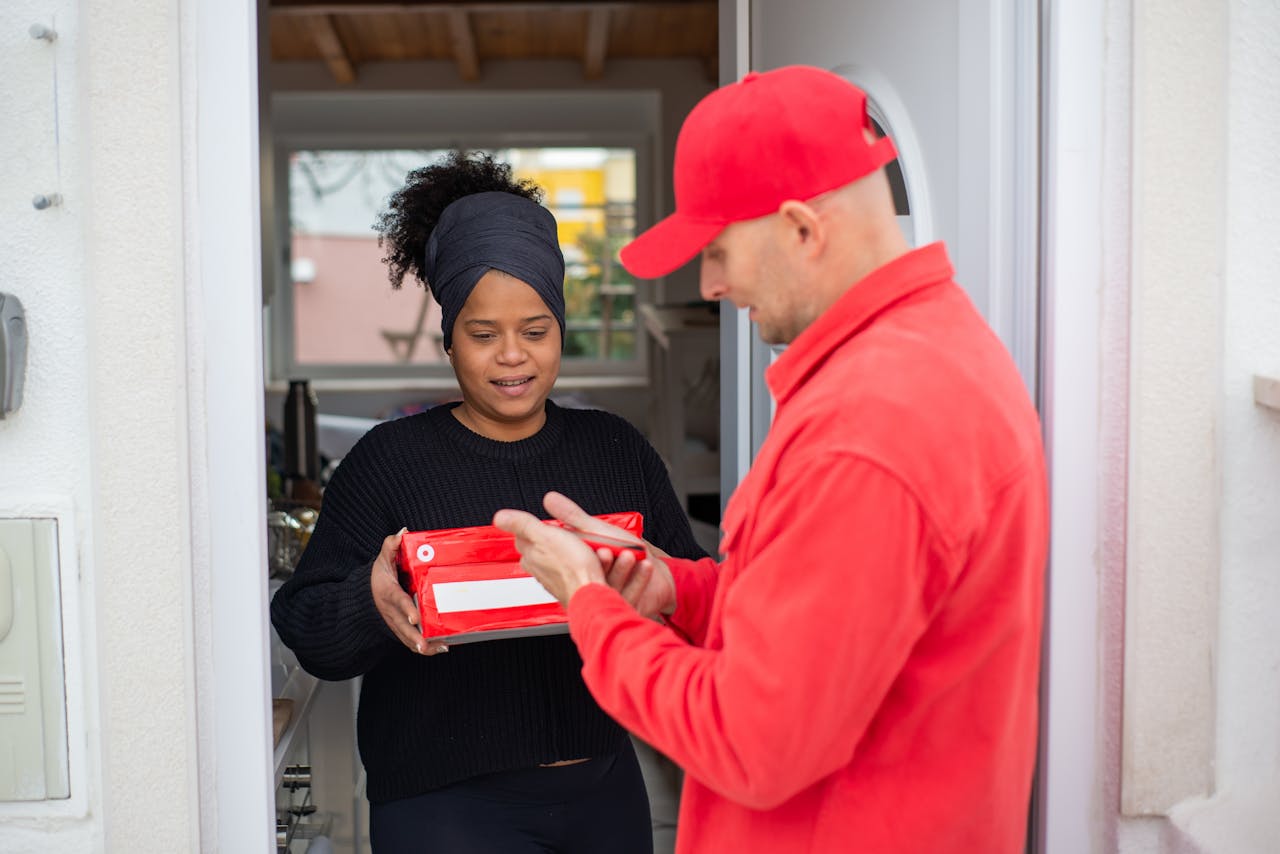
[667, 246]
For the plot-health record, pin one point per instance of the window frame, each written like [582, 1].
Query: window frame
[278, 293]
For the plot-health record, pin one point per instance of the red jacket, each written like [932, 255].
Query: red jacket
[862, 671]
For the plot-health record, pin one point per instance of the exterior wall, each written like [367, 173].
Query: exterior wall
[96, 117]
[1248, 732]
[1200, 768]
[1179, 108]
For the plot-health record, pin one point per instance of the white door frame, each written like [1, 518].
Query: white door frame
[1077, 63]
[225, 351]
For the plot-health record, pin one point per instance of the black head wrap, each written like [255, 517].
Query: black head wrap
[493, 231]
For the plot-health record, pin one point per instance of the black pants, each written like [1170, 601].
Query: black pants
[593, 807]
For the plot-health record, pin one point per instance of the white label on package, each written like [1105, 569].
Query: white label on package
[454, 596]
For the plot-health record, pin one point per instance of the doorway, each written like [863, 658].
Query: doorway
[756, 34]
[584, 101]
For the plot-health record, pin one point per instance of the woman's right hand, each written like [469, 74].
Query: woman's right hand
[396, 606]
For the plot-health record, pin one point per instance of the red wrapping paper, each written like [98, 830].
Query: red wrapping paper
[469, 585]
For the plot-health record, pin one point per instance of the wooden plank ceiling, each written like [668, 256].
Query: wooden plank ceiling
[345, 35]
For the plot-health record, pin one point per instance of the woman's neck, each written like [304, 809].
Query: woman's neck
[499, 431]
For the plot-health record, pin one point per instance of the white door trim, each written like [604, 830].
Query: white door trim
[740, 431]
[1076, 66]
[224, 297]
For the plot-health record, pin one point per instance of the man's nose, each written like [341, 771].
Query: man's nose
[710, 283]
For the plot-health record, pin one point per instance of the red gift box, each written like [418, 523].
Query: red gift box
[469, 585]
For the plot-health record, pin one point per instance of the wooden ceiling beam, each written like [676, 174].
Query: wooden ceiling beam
[597, 43]
[464, 44]
[319, 7]
[329, 43]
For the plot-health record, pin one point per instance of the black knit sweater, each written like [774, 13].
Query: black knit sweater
[425, 722]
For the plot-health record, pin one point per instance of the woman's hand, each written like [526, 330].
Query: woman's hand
[396, 606]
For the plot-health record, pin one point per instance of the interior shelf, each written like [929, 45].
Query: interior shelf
[301, 687]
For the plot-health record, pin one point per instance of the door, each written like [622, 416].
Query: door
[956, 84]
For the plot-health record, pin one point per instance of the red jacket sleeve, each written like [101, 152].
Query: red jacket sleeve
[695, 582]
[813, 628]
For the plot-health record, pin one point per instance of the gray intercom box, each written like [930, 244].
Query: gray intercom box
[13, 353]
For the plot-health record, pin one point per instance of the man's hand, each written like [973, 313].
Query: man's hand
[558, 558]
[396, 606]
[647, 584]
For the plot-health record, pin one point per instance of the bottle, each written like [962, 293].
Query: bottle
[301, 455]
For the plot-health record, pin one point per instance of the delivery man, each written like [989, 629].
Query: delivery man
[860, 673]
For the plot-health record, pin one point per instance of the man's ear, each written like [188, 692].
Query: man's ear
[803, 225]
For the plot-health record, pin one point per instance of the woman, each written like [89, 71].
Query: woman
[493, 746]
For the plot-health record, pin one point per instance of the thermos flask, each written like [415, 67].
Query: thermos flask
[301, 456]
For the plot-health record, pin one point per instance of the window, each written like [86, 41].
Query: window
[337, 315]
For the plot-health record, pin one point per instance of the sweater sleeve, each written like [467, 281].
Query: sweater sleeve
[325, 612]
[811, 634]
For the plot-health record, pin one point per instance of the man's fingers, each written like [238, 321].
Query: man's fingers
[536, 535]
[514, 521]
[564, 509]
[576, 518]
[626, 577]
[654, 550]
[620, 569]
[616, 576]
[637, 582]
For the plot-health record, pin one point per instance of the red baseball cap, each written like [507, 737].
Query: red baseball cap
[791, 133]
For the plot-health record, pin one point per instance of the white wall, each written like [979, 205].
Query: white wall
[1249, 675]
[103, 426]
[1241, 816]
[1179, 206]
[45, 446]
[1199, 767]
[1162, 210]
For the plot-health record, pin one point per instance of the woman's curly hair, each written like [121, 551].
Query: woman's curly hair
[413, 211]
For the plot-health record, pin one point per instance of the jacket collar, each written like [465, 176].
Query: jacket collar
[854, 311]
